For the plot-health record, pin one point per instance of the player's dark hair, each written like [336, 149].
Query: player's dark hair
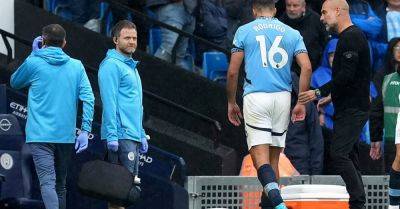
[53, 35]
[116, 31]
[264, 4]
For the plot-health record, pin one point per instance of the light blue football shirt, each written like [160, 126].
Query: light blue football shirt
[269, 48]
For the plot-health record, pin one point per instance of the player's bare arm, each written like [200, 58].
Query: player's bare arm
[302, 59]
[234, 113]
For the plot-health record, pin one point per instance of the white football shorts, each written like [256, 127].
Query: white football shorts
[266, 117]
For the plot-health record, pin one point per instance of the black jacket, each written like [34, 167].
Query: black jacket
[314, 34]
[315, 5]
[376, 113]
[351, 72]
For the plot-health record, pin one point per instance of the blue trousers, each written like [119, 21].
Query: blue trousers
[127, 155]
[51, 163]
[174, 14]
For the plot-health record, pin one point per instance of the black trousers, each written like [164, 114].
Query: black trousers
[389, 154]
[347, 126]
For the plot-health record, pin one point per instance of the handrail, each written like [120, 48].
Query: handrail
[4, 35]
[216, 124]
[171, 103]
[169, 27]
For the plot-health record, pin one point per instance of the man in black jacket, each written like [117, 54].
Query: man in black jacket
[306, 21]
[349, 90]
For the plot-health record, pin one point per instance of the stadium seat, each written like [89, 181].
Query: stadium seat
[107, 16]
[51, 5]
[191, 48]
[54, 5]
[103, 9]
[150, 13]
[215, 65]
[108, 23]
[154, 40]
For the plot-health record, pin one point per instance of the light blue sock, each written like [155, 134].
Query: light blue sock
[281, 206]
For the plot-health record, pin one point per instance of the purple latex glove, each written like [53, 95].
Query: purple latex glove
[144, 145]
[82, 142]
[37, 43]
[112, 146]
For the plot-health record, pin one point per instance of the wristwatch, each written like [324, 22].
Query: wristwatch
[317, 93]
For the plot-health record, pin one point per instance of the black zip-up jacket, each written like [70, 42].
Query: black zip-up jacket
[351, 72]
[376, 124]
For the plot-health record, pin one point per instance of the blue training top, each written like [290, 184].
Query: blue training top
[56, 82]
[122, 97]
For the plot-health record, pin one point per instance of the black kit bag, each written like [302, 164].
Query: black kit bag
[108, 181]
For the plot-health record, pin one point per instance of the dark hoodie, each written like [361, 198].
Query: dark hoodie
[314, 34]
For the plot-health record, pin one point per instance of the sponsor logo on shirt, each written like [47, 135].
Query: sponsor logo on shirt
[394, 83]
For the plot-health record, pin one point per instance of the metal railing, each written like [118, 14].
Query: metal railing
[214, 123]
[237, 192]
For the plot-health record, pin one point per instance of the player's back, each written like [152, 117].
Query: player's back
[269, 47]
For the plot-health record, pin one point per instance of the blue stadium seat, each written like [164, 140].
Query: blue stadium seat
[51, 5]
[191, 48]
[154, 39]
[103, 9]
[215, 65]
[150, 13]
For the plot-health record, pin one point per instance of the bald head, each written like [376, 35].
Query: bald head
[335, 15]
[341, 4]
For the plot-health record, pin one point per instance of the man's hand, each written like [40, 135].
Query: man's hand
[298, 113]
[37, 43]
[112, 146]
[323, 102]
[144, 146]
[321, 118]
[306, 97]
[234, 114]
[375, 152]
[82, 142]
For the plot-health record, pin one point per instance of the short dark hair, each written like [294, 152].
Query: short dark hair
[116, 31]
[261, 4]
[53, 35]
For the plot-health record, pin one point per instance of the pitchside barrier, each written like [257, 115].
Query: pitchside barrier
[237, 192]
